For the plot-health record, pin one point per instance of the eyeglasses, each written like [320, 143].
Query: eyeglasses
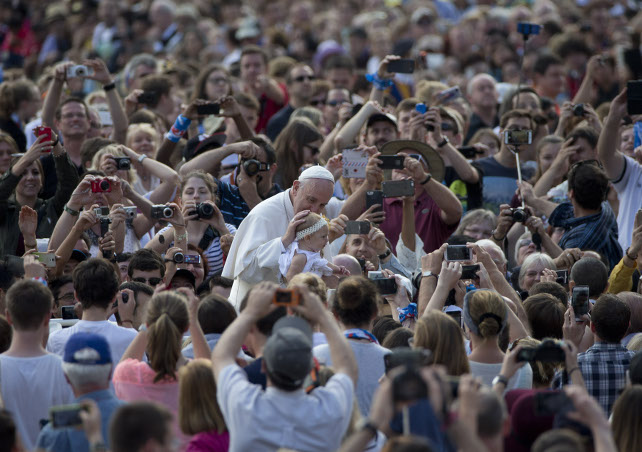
[66, 297]
[524, 242]
[218, 81]
[149, 281]
[334, 103]
[314, 150]
[302, 78]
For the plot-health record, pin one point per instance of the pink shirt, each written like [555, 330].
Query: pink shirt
[428, 223]
[209, 442]
[134, 380]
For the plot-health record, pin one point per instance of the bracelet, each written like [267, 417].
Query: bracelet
[127, 321]
[178, 238]
[141, 158]
[572, 370]
[35, 245]
[627, 255]
[380, 83]
[178, 129]
[427, 179]
[495, 238]
[70, 211]
[56, 142]
[109, 86]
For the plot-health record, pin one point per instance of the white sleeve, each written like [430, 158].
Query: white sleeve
[409, 258]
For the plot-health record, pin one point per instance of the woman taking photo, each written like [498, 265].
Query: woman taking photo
[168, 319]
[485, 315]
[20, 187]
[203, 230]
[355, 306]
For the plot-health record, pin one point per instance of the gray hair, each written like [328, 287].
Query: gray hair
[475, 217]
[80, 375]
[534, 259]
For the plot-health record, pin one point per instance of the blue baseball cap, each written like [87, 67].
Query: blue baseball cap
[87, 348]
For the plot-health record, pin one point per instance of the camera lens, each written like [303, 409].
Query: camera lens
[205, 211]
[251, 167]
[578, 110]
[519, 215]
[124, 164]
[168, 212]
[104, 185]
[125, 297]
[179, 258]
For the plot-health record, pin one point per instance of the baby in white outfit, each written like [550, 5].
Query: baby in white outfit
[304, 254]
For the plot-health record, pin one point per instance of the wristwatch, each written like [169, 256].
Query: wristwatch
[429, 273]
[500, 379]
[384, 255]
[443, 143]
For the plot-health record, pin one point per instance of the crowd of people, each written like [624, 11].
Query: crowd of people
[349, 226]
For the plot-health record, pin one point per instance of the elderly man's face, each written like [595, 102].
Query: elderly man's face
[312, 195]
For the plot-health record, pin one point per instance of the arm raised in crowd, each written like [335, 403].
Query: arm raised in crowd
[53, 93]
[118, 117]
[349, 134]
[612, 159]
[377, 92]
[356, 202]
[209, 161]
[230, 109]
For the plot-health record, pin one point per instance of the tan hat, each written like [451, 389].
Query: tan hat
[431, 157]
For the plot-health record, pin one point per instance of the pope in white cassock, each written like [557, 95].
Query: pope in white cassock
[270, 228]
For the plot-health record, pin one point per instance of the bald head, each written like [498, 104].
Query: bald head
[482, 92]
[349, 262]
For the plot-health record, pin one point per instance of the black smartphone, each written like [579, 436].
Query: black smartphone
[392, 161]
[148, 98]
[68, 313]
[357, 227]
[580, 301]
[458, 253]
[386, 286]
[549, 403]
[403, 356]
[208, 109]
[398, 188]
[64, 416]
[469, 151]
[469, 271]
[634, 97]
[526, 354]
[402, 66]
[374, 197]
[562, 277]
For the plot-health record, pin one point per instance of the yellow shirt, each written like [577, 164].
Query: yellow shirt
[620, 278]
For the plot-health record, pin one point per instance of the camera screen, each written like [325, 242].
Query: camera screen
[283, 296]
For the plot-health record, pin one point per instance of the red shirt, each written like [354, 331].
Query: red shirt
[428, 223]
[268, 108]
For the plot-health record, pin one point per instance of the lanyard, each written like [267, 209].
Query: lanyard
[358, 333]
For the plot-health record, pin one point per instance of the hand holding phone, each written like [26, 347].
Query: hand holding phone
[286, 297]
[458, 253]
[401, 66]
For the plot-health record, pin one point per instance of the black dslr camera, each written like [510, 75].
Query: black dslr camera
[408, 385]
[519, 215]
[253, 167]
[204, 211]
[549, 351]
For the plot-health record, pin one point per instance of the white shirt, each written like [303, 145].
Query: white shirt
[256, 248]
[117, 337]
[628, 188]
[268, 420]
[30, 386]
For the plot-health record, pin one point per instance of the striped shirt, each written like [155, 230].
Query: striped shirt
[597, 232]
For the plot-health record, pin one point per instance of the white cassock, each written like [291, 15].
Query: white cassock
[254, 254]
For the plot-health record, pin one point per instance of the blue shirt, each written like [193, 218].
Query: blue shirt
[72, 440]
[597, 232]
[233, 206]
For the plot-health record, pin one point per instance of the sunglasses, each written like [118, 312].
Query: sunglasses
[317, 102]
[149, 281]
[446, 126]
[334, 103]
[302, 78]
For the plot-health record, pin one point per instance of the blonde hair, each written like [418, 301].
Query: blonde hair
[439, 333]
[198, 410]
[112, 149]
[313, 282]
[635, 344]
[487, 302]
[310, 220]
[133, 129]
[167, 320]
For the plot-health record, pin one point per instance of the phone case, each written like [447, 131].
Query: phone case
[398, 188]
